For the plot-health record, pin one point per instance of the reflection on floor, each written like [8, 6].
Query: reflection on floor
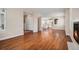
[45, 40]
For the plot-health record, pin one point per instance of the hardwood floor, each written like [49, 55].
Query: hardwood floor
[46, 40]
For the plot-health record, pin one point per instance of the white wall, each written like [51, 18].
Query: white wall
[14, 24]
[67, 21]
[45, 12]
[60, 21]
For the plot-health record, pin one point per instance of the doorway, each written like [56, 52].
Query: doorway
[28, 24]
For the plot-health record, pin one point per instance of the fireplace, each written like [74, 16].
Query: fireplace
[76, 31]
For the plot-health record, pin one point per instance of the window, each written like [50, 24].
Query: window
[2, 19]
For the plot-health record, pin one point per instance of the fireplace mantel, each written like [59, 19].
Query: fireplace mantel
[74, 45]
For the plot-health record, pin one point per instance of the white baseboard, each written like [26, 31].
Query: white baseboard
[9, 36]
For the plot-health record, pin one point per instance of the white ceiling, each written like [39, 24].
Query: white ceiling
[44, 11]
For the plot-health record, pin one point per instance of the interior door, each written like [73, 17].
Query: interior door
[28, 23]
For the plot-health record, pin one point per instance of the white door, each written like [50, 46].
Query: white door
[28, 23]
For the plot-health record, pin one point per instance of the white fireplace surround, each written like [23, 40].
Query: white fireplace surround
[74, 45]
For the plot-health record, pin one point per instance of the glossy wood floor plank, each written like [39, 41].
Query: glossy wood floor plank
[45, 40]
